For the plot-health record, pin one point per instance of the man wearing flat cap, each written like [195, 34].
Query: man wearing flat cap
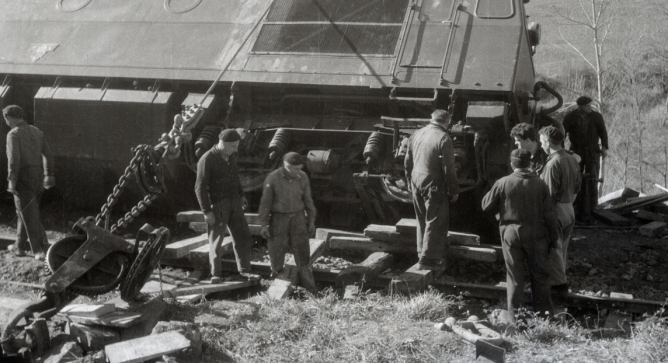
[287, 215]
[585, 127]
[563, 178]
[528, 228]
[27, 150]
[432, 178]
[222, 200]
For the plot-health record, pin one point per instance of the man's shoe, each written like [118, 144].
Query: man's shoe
[433, 265]
[250, 277]
[215, 280]
[39, 256]
[16, 251]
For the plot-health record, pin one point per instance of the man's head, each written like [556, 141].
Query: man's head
[551, 138]
[525, 136]
[13, 115]
[520, 159]
[293, 162]
[584, 104]
[441, 117]
[229, 141]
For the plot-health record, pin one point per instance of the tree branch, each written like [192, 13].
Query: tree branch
[576, 50]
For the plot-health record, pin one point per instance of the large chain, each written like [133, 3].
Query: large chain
[140, 153]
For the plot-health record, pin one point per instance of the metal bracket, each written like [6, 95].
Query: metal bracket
[99, 244]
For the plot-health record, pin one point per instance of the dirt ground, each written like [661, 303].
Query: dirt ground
[601, 260]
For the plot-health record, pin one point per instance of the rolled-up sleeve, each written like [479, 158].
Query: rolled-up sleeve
[49, 164]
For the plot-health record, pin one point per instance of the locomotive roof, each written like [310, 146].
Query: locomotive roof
[325, 42]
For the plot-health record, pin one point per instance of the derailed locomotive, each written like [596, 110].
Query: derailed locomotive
[343, 82]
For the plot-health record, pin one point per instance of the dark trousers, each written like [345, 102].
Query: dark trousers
[587, 198]
[534, 253]
[229, 213]
[29, 226]
[290, 233]
[433, 217]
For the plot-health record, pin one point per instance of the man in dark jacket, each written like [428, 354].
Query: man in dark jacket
[430, 170]
[528, 228]
[585, 127]
[27, 179]
[287, 215]
[221, 198]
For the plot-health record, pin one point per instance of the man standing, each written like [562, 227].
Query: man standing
[585, 127]
[562, 176]
[528, 229]
[430, 170]
[28, 177]
[525, 138]
[221, 198]
[287, 216]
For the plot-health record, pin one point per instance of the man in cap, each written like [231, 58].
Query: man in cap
[528, 229]
[430, 170]
[28, 177]
[562, 176]
[287, 216]
[526, 138]
[585, 127]
[221, 198]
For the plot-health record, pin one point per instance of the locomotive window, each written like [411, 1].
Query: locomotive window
[495, 9]
[369, 27]
[436, 10]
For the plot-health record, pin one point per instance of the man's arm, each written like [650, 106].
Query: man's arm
[308, 200]
[601, 131]
[448, 164]
[267, 200]
[202, 185]
[552, 178]
[408, 163]
[550, 218]
[491, 200]
[49, 164]
[14, 161]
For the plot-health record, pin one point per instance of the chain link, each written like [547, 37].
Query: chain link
[140, 153]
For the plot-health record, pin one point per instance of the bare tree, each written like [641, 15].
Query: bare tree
[596, 17]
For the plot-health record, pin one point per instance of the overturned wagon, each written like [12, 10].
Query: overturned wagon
[343, 82]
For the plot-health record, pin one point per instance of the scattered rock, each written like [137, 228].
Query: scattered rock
[592, 272]
[63, 353]
[500, 319]
[188, 330]
[93, 338]
[98, 357]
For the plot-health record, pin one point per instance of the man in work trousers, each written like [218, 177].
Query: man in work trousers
[28, 177]
[430, 169]
[528, 229]
[585, 127]
[287, 215]
[526, 138]
[221, 198]
[562, 176]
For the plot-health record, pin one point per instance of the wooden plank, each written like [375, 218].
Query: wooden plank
[92, 311]
[373, 266]
[608, 217]
[9, 303]
[200, 227]
[282, 285]
[182, 248]
[474, 253]
[405, 230]
[198, 216]
[351, 292]
[653, 229]
[153, 286]
[146, 348]
[619, 295]
[647, 215]
[200, 255]
[121, 319]
[637, 203]
[618, 196]
[208, 288]
[483, 253]
[414, 280]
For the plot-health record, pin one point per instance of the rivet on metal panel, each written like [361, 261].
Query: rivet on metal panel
[499, 84]
[477, 84]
